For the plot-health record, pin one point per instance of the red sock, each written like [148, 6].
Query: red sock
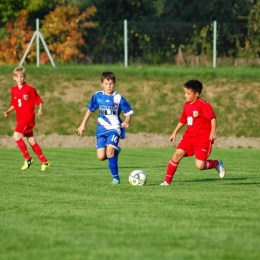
[22, 146]
[210, 164]
[171, 169]
[36, 148]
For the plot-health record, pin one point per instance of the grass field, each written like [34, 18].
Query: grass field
[71, 211]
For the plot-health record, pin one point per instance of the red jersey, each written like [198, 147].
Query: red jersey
[198, 117]
[24, 101]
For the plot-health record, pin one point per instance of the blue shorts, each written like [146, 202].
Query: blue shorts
[109, 138]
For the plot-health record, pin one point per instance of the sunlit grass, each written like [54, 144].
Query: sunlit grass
[71, 211]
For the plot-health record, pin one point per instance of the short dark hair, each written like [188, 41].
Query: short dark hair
[108, 76]
[194, 85]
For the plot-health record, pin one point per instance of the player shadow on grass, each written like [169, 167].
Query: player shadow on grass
[214, 179]
[125, 167]
[204, 180]
[93, 168]
[142, 167]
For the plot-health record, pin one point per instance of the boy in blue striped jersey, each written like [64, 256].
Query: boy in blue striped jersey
[110, 127]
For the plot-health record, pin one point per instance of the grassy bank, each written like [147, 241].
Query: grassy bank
[155, 93]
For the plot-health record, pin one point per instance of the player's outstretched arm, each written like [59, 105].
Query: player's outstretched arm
[125, 124]
[213, 134]
[174, 133]
[7, 112]
[40, 110]
[81, 128]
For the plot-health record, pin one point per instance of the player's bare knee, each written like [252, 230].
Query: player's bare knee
[200, 166]
[101, 156]
[177, 157]
[31, 140]
[16, 136]
[110, 151]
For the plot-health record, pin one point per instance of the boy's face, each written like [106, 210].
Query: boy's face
[190, 95]
[19, 79]
[108, 86]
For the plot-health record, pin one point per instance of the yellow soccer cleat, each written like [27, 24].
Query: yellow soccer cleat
[45, 165]
[27, 164]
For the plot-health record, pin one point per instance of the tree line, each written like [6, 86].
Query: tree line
[92, 30]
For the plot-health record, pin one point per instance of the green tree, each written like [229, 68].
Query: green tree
[37, 9]
[252, 45]
[230, 15]
[107, 40]
[118, 10]
[205, 11]
[9, 10]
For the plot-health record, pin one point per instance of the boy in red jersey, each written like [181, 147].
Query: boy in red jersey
[199, 135]
[23, 101]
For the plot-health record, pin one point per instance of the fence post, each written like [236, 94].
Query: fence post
[125, 43]
[37, 34]
[37, 43]
[214, 43]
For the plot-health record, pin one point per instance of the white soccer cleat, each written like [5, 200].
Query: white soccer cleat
[221, 169]
[165, 183]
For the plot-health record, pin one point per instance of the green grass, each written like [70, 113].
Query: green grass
[71, 211]
[155, 93]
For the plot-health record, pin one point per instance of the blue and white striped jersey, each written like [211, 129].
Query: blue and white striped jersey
[110, 107]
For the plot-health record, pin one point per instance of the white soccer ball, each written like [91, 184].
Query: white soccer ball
[137, 178]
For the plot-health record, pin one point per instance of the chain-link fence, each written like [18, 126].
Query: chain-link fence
[171, 43]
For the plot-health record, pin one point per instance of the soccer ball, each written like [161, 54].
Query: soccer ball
[137, 178]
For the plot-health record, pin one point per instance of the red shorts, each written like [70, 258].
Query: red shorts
[25, 130]
[191, 145]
